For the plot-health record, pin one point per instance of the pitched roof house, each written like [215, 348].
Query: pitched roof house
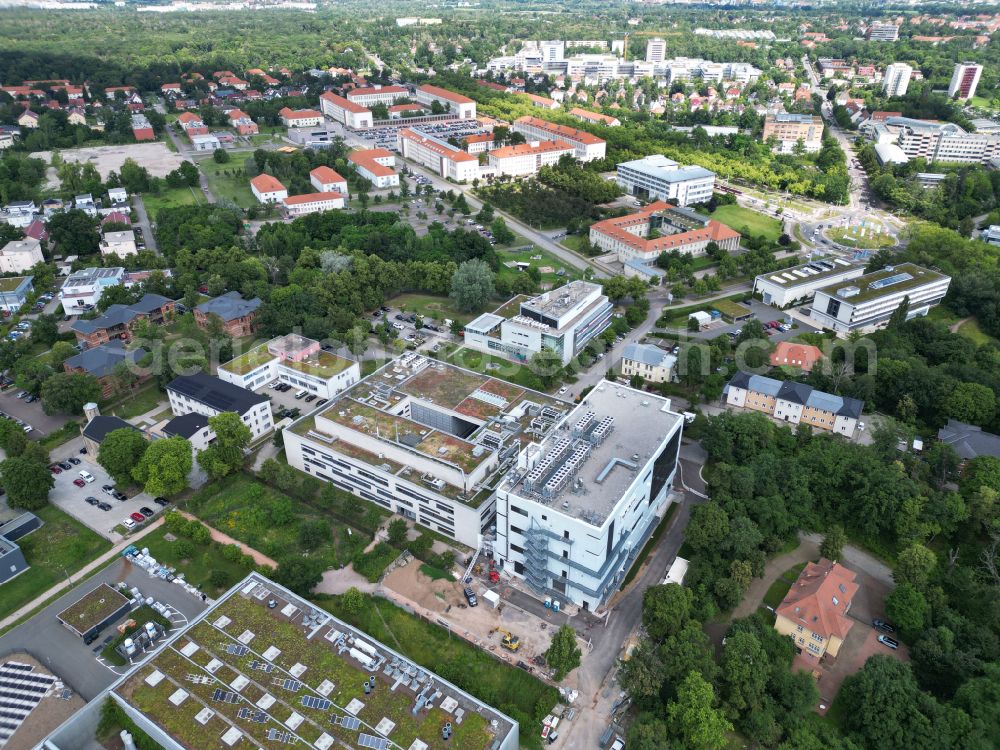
[814, 612]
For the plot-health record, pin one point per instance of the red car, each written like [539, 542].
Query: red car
[137, 517]
[79, 483]
[55, 470]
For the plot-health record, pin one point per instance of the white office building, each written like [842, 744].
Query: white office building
[563, 321]
[527, 158]
[882, 32]
[458, 105]
[18, 256]
[658, 178]
[82, 289]
[867, 302]
[576, 509]
[424, 439]
[208, 395]
[656, 50]
[346, 112]
[438, 155]
[965, 80]
[295, 360]
[798, 284]
[896, 79]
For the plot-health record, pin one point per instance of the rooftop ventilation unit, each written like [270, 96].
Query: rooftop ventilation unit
[848, 291]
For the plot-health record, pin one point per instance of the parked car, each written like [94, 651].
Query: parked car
[55, 469]
[31, 399]
[27, 428]
[887, 641]
[129, 524]
[119, 496]
[162, 501]
[86, 476]
[74, 461]
[108, 489]
[137, 517]
[147, 512]
[79, 482]
[92, 501]
[883, 626]
[104, 506]
[470, 597]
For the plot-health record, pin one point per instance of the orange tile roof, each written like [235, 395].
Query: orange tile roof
[237, 114]
[802, 356]
[365, 90]
[187, 117]
[343, 103]
[326, 175]
[819, 599]
[299, 114]
[265, 183]
[294, 200]
[615, 228]
[521, 149]
[445, 94]
[452, 154]
[586, 114]
[570, 134]
[405, 107]
[366, 158]
[543, 100]
[478, 138]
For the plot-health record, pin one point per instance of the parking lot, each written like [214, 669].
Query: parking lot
[65, 654]
[388, 136]
[765, 314]
[42, 424]
[72, 499]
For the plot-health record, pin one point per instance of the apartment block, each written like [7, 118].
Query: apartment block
[368, 96]
[587, 147]
[882, 32]
[527, 158]
[82, 289]
[238, 316]
[460, 106]
[789, 129]
[209, 396]
[965, 80]
[794, 402]
[870, 300]
[300, 118]
[896, 79]
[18, 256]
[344, 111]
[376, 166]
[438, 155]
[574, 511]
[325, 180]
[658, 178]
[424, 439]
[312, 203]
[563, 321]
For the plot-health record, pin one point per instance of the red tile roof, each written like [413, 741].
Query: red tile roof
[445, 94]
[299, 114]
[561, 131]
[453, 154]
[366, 158]
[326, 175]
[585, 114]
[366, 90]
[265, 183]
[819, 599]
[615, 228]
[802, 356]
[521, 149]
[343, 103]
[294, 200]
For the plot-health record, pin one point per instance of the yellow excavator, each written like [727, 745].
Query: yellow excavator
[510, 641]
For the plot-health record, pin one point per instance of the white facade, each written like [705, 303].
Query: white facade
[387, 95]
[965, 80]
[325, 180]
[205, 142]
[861, 306]
[798, 284]
[586, 146]
[311, 203]
[321, 374]
[437, 155]
[656, 50]
[83, 289]
[119, 243]
[376, 165]
[527, 158]
[563, 321]
[267, 189]
[649, 362]
[574, 513]
[897, 79]
[882, 32]
[348, 113]
[462, 107]
[18, 256]
[658, 178]
[257, 417]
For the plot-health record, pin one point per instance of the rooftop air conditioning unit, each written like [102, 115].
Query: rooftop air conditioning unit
[848, 291]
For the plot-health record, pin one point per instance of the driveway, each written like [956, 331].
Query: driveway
[65, 654]
[32, 414]
[69, 498]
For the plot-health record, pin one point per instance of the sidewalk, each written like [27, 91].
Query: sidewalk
[115, 551]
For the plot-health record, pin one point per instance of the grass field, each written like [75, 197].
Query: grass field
[55, 551]
[538, 258]
[199, 565]
[852, 237]
[171, 198]
[135, 404]
[234, 186]
[522, 696]
[430, 307]
[971, 330]
[481, 362]
[740, 218]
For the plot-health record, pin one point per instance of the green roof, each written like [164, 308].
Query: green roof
[11, 283]
[919, 277]
[324, 365]
[248, 361]
[93, 608]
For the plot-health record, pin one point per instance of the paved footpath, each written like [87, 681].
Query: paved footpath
[79, 575]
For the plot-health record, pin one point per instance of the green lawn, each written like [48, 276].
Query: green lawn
[487, 364]
[522, 696]
[777, 591]
[981, 102]
[430, 307]
[740, 218]
[971, 330]
[58, 549]
[135, 404]
[171, 198]
[852, 237]
[269, 521]
[198, 567]
[234, 186]
[538, 258]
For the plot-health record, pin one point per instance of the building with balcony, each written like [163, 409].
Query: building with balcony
[209, 396]
[119, 243]
[82, 289]
[116, 323]
[237, 315]
[325, 180]
[18, 256]
[527, 158]
[14, 292]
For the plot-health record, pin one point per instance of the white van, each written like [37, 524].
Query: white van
[300, 395]
[86, 476]
[128, 523]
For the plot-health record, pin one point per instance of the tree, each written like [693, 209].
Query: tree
[744, 671]
[164, 467]
[314, 533]
[352, 601]
[67, 392]
[882, 705]
[220, 156]
[914, 566]
[12, 438]
[27, 482]
[120, 452]
[689, 650]
[666, 609]
[397, 532]
[833, 543]
[908, 609]
[563, 655]
[974, 403]
[693, 719]
[501, 233]
[300, 574]
[641, 676]
[472, 285]
[226, 453]
[74, 232]
[44, 330]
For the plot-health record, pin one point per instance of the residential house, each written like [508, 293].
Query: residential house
[142, 129]
[325, 180]
[238, 316]
[18, 256]
[192, 124]
[209, 396]
[240, 121]
[117, 196]
[814, 611]
[36, 231]
[82, 289]
[14, 292]
[99, 427]
[969, 441]
[28, 119]
[119, 243]
[268, 189]
[103, 362]
[649, 362]
[117, 321]
[117, 217]
[12, 564]
[376, 166]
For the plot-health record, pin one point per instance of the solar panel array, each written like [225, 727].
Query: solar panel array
[261, 665]
[318, 703]
[349, 722]
[370, 740]
[237, 649]
[20, 691]
[226, 696]
[258, 716]
[292, 685]
[276, 735]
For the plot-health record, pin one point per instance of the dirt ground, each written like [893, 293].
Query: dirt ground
[443, 601]
[155, 157]
[47, 715]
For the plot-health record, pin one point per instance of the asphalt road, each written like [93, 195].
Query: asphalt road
[65, 654]
[144, 224]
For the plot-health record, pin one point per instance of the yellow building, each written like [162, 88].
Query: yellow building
[814, 612]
